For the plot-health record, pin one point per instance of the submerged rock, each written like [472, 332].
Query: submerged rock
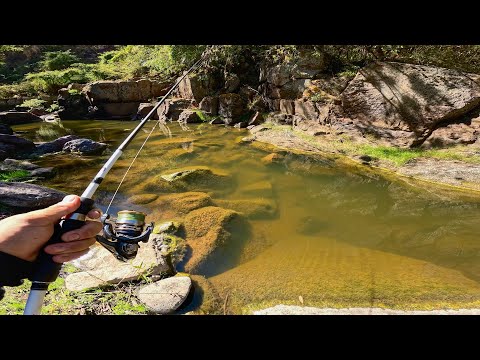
[209, 230]
[143, 198]
[13, 145]
[261, 188]
[167, 295]
[183, 203]
[200, 178]
[28, 196]
[85, 147]
[251, 208]
[5, 129]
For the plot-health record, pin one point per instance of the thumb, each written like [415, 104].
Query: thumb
[55, 212]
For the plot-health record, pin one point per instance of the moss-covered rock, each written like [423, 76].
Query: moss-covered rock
[252, 208]
[260, 188]
[181, 204]
[272, 158]
[206, 300]
[209, 231]
[142, 198]
[200, 178]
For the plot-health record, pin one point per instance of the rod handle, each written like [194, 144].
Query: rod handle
[45, 269]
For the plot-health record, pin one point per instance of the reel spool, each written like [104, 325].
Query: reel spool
[122, 235]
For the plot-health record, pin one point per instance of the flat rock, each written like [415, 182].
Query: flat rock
[18, 164]
[18, 117]
[28, 196]
[101, 268]
[167, 295]
[85, 147]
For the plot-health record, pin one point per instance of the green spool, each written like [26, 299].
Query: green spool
[131, 217]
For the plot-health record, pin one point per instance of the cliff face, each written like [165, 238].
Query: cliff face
[390, 103]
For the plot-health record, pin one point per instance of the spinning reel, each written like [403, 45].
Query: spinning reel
[122, 235]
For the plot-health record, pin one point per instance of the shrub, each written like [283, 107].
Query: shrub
[34, 103]
[58, 60]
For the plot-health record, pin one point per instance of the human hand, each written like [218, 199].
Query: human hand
[24, 235]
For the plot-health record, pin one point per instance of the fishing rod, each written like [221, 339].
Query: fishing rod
[121, 237]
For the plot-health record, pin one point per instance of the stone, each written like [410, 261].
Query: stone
[169, 227]
[199, 178]
[209, 230]
[256, 119]
[144, 109]
[453, 134]
[142, 198]
[192, 87]
[100, 268]
[307, 109]
[167, 295]
[272, 159]
[18, 117]
[13, 145]
[172, 108]
[5, 129]
[232, 82]
[183, 203]
[189, 117]
[128, 91]
[55, 145]
[159, 89]
[47, 172]
[144, 88]
[407, 97]
[231, 107]
[287, 107]
[260, 188]
[73, 106]
[279, 75]
[102, 91]
[209, 104]
[291, 90]
[84, 147]
[251, 208]
[28, 196]
[19, 164]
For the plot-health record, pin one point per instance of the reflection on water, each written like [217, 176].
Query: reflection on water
[338, 237]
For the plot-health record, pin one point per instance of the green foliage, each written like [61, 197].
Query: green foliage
[73, 91]
[53, 107]
[34, 103]
[58, 60]
[24, 88]
[13, 175]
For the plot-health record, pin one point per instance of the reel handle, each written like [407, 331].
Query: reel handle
[45, 269]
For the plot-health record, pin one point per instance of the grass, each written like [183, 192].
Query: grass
[13, 175]
[396, 156]
[51, 131]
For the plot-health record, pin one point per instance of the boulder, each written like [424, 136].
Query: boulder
[100, 268]
[158, 89]
[231, 107]
[193, 87]
[252, 208]
[453, 134]
[200, 178]
[189, 117]
[144, 109]
[183, 203]
[18, 164]
[12, 145]
[84, 147]
[102, 91]
[232, 82]
[209, 230]
[128, 91]
[46, 173]
[28, 196]
[167, 295]
[172, 108]
[241, 125]
[209, 104]
[55, 145]
[18, 117]
[72, 106]
[407, 97]
[5, 129]
[307, 109]
[287, 106]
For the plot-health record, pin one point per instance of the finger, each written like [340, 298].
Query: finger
[53, 213]
[70, 247]
[69, 257]
[94, 214]
[90, 229]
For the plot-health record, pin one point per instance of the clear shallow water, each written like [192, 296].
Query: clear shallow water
[340, 237]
